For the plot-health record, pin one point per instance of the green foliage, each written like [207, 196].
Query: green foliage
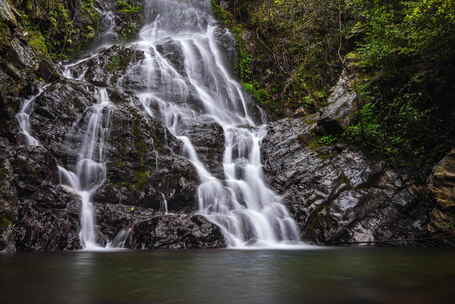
[37, 42]
[259, 94]
[221, 14]
[327, 140]
[114, 64]
[405, 57]
[399, 30]
[127, 8]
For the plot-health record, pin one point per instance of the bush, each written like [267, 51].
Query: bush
[406, 58]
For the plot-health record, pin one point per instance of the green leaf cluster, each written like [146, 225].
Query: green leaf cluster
[404, 54]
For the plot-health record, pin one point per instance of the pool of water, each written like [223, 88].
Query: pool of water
[231, 276]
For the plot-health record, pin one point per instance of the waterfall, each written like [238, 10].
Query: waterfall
[248, 212]
[23, 117]
[90, 170]
[192, 86]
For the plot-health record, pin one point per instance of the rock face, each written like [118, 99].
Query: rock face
[342, 102]
[442, 185]
[443, 181]
[336, 194]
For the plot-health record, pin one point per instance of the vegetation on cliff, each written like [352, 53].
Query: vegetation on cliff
[290, 51]
[401, 53]
[58, 28]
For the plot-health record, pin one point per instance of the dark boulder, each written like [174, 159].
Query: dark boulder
[175, 232]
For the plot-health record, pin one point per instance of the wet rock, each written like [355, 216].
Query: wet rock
[113, 218]
[342, 102]
[342, 105]
[227, 43]
[176, 232]
[21, 55]
[143, 169]
[172, 51]
[47, 219]
[60, 107]
[47, 229]
[8, 195]
[442, 186]
[7, 240]
[207, 138]
[109, 66]
[48, 71]
[336, 194]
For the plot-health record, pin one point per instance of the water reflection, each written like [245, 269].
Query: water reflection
[228, 276]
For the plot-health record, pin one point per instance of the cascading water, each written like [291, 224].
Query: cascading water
[90, 170]
[241, 204]
[23, 118]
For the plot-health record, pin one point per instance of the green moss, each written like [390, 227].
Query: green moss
[221, 14]
[327, 140]
[319, 145]
[88, 7]
[124, 7]
[54, 30]
[313, 144]
[5, 222]
[141, 179]
[115, 63]
[37, 42]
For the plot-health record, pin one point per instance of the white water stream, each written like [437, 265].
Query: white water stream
[90, 171]
[23, 117]
[248, 212]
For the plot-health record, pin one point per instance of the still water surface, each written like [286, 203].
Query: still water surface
[360, 276]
